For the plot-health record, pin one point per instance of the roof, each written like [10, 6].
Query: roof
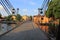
[38, 15]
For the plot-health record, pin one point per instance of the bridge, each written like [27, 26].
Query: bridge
[10, 9]
[44, 7]
[7, 6]
[28, 30]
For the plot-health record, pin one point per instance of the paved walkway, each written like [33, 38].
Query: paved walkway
[27, 31]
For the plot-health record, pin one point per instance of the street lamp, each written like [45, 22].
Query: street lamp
[13, 11]
[40, 10]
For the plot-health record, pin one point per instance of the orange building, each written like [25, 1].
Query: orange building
[42, 19]
[38, 19]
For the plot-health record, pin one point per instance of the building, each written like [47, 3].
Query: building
[41, 19]
[2, 19]
[13, 18]
[25, 18]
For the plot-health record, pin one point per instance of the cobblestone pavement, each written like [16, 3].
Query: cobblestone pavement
[27, 31]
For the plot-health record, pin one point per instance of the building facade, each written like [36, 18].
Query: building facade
[25, 18]
[41, 19]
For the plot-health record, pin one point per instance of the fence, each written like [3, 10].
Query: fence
[49, 28]
[6, 26]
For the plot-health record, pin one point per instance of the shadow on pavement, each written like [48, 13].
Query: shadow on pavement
[34, 34]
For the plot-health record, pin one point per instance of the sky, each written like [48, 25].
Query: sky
[26, 7]
[2, 11]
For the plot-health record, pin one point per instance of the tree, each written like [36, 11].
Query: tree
[31, 17]
[18, 17]
[53, 9]
[54, 12]
[8, 18]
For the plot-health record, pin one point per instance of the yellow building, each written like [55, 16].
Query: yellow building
[13, 18]
[25, 17]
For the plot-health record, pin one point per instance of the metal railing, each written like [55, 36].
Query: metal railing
[6, 26]
[51, 31]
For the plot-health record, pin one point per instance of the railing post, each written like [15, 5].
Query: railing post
[0, 26]
[58, 32]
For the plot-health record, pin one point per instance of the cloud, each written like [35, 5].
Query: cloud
[29, 12]
[32, 3]
[25, 11]
[1, 7]
[35, 12]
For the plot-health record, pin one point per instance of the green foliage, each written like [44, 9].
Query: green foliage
[18, 17]
[8, 18]
[31, 17]
[53, 9]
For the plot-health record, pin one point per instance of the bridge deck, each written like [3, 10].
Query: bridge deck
[27, 31]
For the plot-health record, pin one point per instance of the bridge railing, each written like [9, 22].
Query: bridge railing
[6, 26]
[49, 28]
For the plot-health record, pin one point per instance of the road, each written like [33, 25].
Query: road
[27, 31]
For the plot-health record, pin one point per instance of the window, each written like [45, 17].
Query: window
[42, 18]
